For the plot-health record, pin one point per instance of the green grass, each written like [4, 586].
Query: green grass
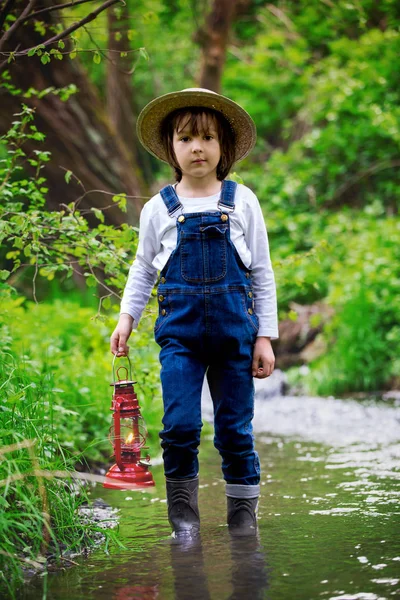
[55, 371]
[39, 500]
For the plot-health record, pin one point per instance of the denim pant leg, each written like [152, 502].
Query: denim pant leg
[232, 391]
[182, 375]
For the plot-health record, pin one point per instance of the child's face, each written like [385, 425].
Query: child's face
[197, 148]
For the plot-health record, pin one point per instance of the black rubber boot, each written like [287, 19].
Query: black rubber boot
[183, 510]
[242, 516]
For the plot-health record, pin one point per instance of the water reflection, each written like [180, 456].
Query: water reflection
[191, 578]
[249, 573]
[137, 592]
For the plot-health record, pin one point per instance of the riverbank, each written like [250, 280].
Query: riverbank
[96, 514]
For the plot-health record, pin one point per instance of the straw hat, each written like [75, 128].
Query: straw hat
[152, 116]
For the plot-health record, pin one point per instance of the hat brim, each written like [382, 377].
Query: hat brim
[153, 114]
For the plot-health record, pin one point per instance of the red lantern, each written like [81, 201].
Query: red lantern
[128, 435]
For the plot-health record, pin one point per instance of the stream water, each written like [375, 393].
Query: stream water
[329, 524]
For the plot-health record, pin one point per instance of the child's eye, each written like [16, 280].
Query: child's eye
[208, 137]
[184, 138]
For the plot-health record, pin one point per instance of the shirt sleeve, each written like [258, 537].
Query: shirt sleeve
[142, 274]
[264, 288]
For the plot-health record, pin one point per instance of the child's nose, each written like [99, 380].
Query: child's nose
[197, 144]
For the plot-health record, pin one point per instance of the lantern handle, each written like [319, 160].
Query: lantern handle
[113, 368]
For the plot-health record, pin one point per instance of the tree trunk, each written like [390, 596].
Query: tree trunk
[78, 133]
[213, 39]
[121, 108]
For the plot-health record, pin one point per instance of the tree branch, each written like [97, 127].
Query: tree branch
[6, 36]
[375, 168]
[5, 10]
[64, 33]
[51, 8]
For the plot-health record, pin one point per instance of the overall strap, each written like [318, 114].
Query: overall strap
[171, 200]
[227, 197]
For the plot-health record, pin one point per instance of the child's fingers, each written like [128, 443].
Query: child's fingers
[114, 342]
[255, 364]
[123, 348]
[263, 368]
[118, 344]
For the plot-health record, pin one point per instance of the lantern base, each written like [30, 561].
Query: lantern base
[134, 476]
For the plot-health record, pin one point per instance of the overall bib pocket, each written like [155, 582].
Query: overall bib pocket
[203, 254]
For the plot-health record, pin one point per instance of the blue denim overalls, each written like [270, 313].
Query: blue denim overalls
[207, 323]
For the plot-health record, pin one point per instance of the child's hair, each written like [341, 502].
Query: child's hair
[197, 119]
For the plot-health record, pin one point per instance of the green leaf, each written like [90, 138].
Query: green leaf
[46, 91]
[236, 177]
[121, 199]
[72, 54]
[151, 17]
[45, 58]
[99, 214]
[13, 254]
[67, 176]
[117, 12]
[106, 303]
[61, 44]
[90, 280]
[96, 58]
[39, 26]
[4, 274]
[143, 53]
[16, 397]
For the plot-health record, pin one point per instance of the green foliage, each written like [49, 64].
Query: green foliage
[54, 360]
[362, 354]
[66, 353]
[321, 81]
[364, 287]
[55, 243]
[322, 84]
[343, 144]
[55, 375]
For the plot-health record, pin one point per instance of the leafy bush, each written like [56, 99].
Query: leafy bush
[362, 350]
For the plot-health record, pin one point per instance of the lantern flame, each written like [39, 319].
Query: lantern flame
[129, 439]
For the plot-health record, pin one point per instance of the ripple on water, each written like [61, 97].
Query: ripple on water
[328, 420]
[358, 596]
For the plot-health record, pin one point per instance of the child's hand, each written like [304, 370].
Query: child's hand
[263, 358]
[120, 335]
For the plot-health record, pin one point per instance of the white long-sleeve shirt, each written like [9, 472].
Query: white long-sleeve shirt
[158, 238]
